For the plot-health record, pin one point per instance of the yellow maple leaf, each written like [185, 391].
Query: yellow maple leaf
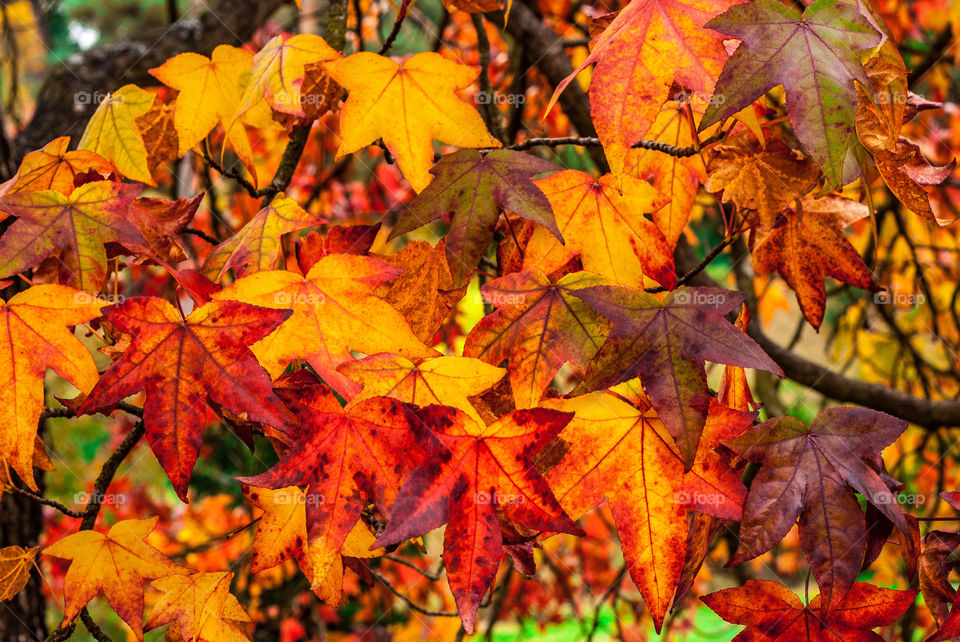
[35, 326]
[198, 607]
[112, 564]
[408, 105]
[447, 380]
[209, 94]
[53, 167]
[334, 312]
[113, 133]
[15, 564]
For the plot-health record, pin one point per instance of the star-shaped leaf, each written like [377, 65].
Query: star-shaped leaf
[647, 47]
[199, 607]
[771, 611]
[475, 188]
[112, 132]
[35, 325]
[113, 565]
[808, 245]
[815, 56]
[765, 179]
[538, 326]
[54, 167]
[408, 105]
[77, 226]
[811, 473]
[605, 227]
[334, 312]
[282, 535]
[666, 345]
[209, 93]
[258, 244]
[472, 474]
[447, 381]
[186, 365]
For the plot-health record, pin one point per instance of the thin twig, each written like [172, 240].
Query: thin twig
[416, 607]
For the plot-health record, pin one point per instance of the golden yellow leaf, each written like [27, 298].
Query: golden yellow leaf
[113, 133]
[408, 105]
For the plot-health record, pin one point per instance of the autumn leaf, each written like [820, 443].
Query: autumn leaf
[77, 226]
[475, 188]
[666, 345]
[447, 380]
[282, 535]
[676, 179]
[815, 56]
[408, 105]
[36, 326]
[338, 239]
[809, 244]
[278, 72]
[54, 167]
[112, 565]
[605, 227]
[811, 473]
[647, 47]
[334, 312]
[209, 93]
[424, 292]
[880, 117]
[15, 565]
[934, 566]
[771, 611]
[159, 221]
[186, 366]
[530, 308]
[259, 244]
[198, 607]
[472, 474]
[345, 458]
[764, 179]
[614, 451]
[112, 132]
